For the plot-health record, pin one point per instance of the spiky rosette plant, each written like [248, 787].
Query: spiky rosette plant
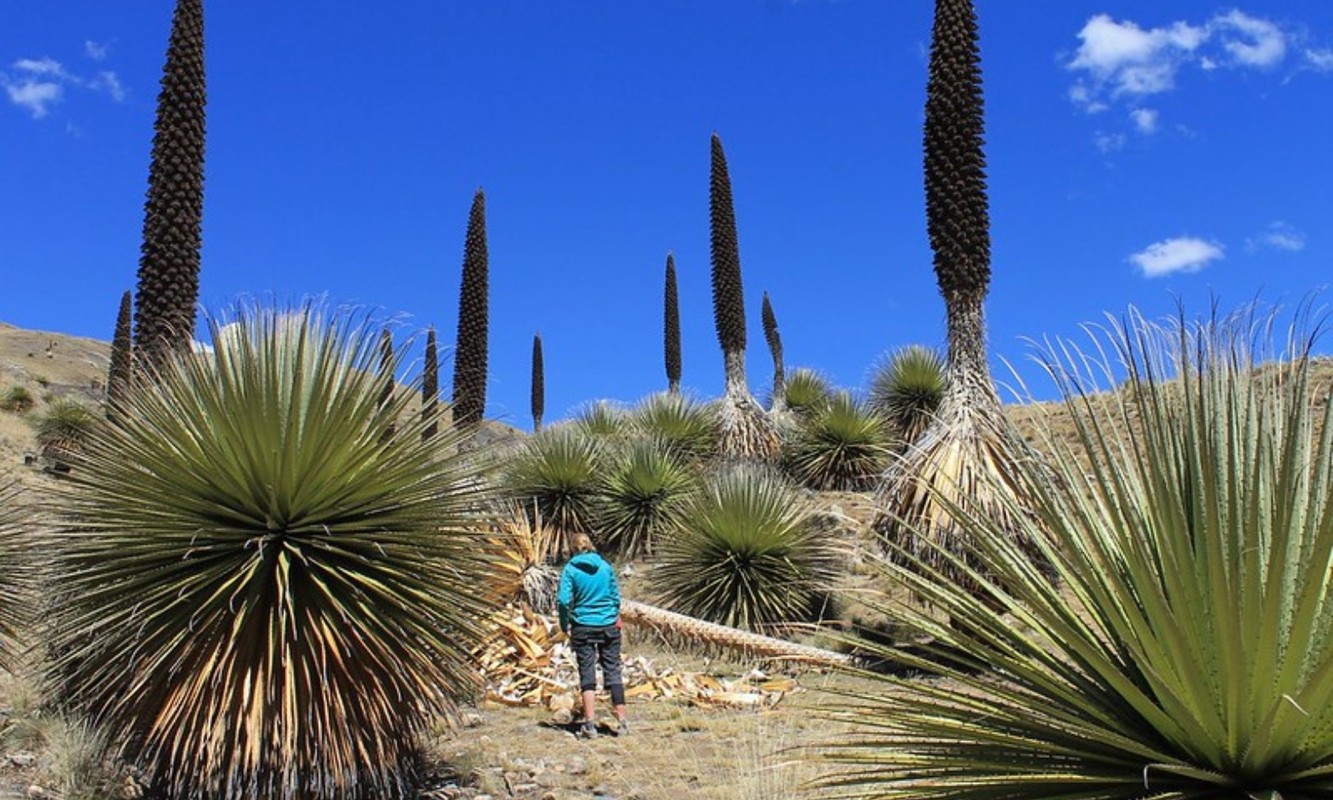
[16, 579]
[1188, 654]
[538, 384]
[778, 404]
[264, 597]
[66, 427]
[430, 388]
[745, 554]
[744, 430]
[470, 354]
[605, 421]
[966, 452]
[681, 425]
[640, 498]
[843, 447]
[907, 388]
[122, 344]
[806, 392]
[168, 279]
[555, 477]
[671, 327]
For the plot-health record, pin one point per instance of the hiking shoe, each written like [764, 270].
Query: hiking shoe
[587, 731]
[622, 729]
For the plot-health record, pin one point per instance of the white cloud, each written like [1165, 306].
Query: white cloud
[46, 67]
[1123, 60]
[1320, 59]
[1129, 59]
[1278, 236]
[108, 82]
[96, 51]
[35, 96]
[38, 84]
[1108, 142]
[1145, 119]
[1260, 44]
[1182, 254]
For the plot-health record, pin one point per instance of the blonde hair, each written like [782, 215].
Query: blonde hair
[582, 544]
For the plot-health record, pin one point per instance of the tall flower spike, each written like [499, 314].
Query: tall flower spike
[168, 280]
[469, 399]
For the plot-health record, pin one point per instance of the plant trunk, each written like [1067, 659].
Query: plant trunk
[679, 626]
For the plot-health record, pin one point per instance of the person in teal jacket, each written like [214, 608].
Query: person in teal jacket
[589, 604]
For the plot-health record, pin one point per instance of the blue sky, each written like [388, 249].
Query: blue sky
[1139, 152]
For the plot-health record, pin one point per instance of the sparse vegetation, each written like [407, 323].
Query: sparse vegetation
[268, 573]
[17, 400]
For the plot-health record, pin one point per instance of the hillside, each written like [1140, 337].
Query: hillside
[52, 366]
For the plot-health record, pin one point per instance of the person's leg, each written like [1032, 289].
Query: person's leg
[609, 656]
[585, 653]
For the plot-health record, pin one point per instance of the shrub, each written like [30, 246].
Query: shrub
[807, 391]
[17, 400]
[1189, 655]
[907, 388]
[67, 426]
[263, 597]
[745, 554]
[640, 498]
[555, 476]
[683, 426]
[842, 446]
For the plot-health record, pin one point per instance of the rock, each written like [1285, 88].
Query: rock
[472, 719]
[22, 758]
[36, 791]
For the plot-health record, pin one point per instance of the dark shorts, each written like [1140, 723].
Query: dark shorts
[595, 645]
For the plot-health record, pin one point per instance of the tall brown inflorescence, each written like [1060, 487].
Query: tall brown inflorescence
[671, 324]
[538, 384]
[119, 374]
[168, 280]
[469, 396]
[774, 340]
[728, 295]
[430, 387]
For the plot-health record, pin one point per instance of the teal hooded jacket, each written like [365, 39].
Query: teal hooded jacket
[589, 593]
